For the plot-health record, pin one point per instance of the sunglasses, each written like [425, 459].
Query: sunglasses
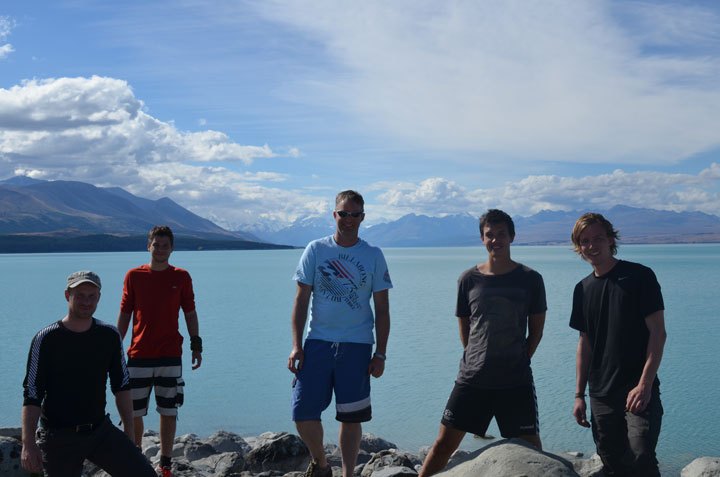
[354, 215]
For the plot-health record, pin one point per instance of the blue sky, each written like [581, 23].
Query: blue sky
[255, 113]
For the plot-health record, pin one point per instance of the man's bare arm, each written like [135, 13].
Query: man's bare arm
[123, 323]
[193, 327]
[464, 327]
[639, 397]
[298, 319]
[582, 365]
[536, 324]
[381, 302]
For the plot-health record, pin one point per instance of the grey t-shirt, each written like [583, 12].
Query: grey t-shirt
[496, 355]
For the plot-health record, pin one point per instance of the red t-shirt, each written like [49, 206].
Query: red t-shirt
[154, 299]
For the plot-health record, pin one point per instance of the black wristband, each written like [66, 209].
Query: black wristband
[579, 395]
[380, 356]
[196, 344]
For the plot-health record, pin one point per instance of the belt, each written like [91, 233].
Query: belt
[79, 428]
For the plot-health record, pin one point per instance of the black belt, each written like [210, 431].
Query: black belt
[79, 428]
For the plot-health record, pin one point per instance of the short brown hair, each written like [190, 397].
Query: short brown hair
[497, 216]
[161, 231]
[589, 219]
[350, 195]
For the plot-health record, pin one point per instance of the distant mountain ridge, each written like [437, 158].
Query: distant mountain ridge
[37, 215]
[636, 225]
[76, 208]
[52, 216]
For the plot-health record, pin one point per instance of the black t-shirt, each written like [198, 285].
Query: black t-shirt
[612, 309]
[496, 355]
[67, 373]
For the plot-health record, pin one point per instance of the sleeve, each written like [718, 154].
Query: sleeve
[381, 280]
[34, 382]
[119, 376]
[127, 300]
[539, 303]
[577, 316]
[305, 271]
[462, 307]
[187, 300]
[651, 299]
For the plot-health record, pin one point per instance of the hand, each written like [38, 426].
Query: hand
[579, 411]
[376, 367]
[638, 398]
[31, 458]
[295, 361]
[196, 359]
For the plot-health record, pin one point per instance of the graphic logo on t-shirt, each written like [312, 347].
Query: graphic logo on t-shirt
[340, 279]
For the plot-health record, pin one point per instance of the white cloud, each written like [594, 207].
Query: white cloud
[6, 26]
[265, 177]
[95, 130]
[555, 80]
[78, 120]
[656, 190]
[224, 196]
[460, 81]
[5, 50]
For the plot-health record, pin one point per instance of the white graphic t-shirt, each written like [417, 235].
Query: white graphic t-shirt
[343, 281]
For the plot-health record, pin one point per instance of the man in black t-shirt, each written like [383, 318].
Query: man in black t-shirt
[501, 313]
[64, 388]
[618, 310]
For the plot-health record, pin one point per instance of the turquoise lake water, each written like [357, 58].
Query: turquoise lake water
[244, 300]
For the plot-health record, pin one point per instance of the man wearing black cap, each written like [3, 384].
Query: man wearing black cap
[64, 388]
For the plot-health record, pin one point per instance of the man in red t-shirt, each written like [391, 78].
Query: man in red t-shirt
[153, 295]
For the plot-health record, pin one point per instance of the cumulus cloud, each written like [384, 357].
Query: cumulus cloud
[657, 190]
[76, 120]
[226, 197]
[95, 130]
[555, 80]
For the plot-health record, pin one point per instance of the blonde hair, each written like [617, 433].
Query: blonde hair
[589, 219]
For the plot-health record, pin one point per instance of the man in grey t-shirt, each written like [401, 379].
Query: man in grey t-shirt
[501, 311]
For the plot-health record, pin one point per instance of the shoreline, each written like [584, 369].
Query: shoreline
[225, 453]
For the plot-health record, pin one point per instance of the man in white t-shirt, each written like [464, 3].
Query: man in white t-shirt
[340, 273]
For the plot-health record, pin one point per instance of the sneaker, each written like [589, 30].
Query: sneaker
[314, 470]
[164, 471]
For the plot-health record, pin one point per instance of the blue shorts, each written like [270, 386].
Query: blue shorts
[342, 367]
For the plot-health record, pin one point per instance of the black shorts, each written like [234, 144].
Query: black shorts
[471, 409]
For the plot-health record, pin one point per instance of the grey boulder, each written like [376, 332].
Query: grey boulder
[702, 467]
[512, 457]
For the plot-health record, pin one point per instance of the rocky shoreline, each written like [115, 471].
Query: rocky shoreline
[276, 454]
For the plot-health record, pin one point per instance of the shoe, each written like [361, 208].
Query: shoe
[164, 471]
[314, 470]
